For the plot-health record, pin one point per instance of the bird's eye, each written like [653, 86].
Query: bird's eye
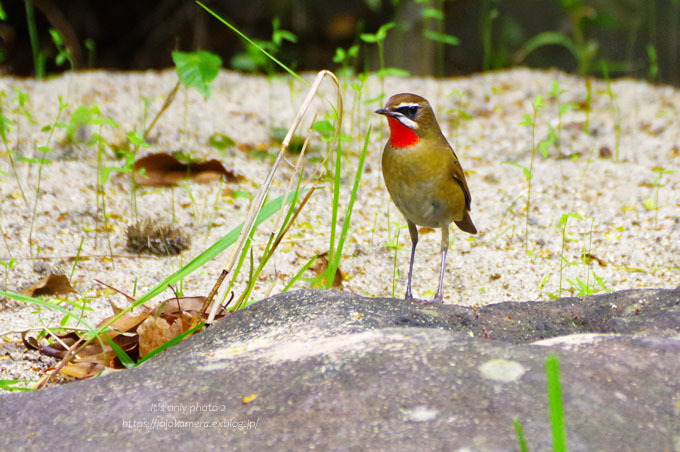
[409, 111]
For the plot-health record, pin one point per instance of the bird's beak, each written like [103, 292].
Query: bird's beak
[385, 111]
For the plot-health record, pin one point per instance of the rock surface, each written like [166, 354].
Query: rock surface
[333, 371]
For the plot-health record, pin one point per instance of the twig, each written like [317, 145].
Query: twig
[258, 201]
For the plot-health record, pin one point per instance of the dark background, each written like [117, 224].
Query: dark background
[139, 35]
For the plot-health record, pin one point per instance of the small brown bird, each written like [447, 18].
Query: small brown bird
[423, 175]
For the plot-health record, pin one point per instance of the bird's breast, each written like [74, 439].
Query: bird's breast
[420, 184]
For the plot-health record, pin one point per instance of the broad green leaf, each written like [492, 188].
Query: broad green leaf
[197, 69]
[441, 37]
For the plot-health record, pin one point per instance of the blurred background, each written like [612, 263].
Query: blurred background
[635, 38]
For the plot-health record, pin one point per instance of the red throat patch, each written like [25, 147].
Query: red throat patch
[400, 135]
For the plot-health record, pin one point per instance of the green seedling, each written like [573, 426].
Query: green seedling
[41, 162]
[347, 60]
[555, 93]
[433, 30]
[75, 260]
[97, 139]
[254, 60]
[530, 121]
[393, 244]
[458, 115]
[583, 49]
[9, 265]
[335, 249]
[96, 334]
[563, 261]
[378, 38]
[63, 53]
[5, 125]
[650, 204]
[221, 141]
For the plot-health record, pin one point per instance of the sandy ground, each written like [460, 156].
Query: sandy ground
[630, 224]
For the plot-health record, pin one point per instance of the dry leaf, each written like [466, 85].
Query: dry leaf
[154, 332]
[137, 334]
[49, 285]
[320, 265]
[164, 169]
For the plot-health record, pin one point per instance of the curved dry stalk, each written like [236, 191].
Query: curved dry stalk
[258, 201]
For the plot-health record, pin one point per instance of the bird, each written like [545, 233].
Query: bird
[423, 176]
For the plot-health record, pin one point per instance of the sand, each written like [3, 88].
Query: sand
[627, 236]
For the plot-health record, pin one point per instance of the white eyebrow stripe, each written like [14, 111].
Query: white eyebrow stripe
[407, 122]
[407, 104]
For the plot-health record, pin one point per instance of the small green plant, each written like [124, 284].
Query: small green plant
[378, 38]
[653, 204]
[433, 30]
[555, 93]
[63, 53]
[254, 60]
[41, 162]
[5, 125]
[347, 60]
[530, 121]
[395, 246]
[335, 249]
[563, 260]
[583, 49]
[459, 114]
[9, 265]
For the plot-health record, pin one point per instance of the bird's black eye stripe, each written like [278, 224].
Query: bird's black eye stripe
[408, 110]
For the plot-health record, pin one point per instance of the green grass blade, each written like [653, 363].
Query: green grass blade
[250, 41]
[521, 441]
[225, 242]
[335, 204]
[120, 353]
[559, 434]
[44, 304]
[350, 206]
[9, 385]
[299, 274]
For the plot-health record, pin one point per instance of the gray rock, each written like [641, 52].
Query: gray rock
[334, 371]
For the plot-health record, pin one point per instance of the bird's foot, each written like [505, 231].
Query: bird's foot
[421, 301]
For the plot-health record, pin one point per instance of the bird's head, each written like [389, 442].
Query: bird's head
[410, 118]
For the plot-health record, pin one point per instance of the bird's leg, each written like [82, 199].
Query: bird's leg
[413, 230]
[445, 246]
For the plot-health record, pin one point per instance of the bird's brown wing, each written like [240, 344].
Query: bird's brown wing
[459, 176]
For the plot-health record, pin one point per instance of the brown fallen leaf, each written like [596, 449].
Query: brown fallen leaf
[137, 334]
[164, 169]
[320, 266]
[154, 332]
[54, 284]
